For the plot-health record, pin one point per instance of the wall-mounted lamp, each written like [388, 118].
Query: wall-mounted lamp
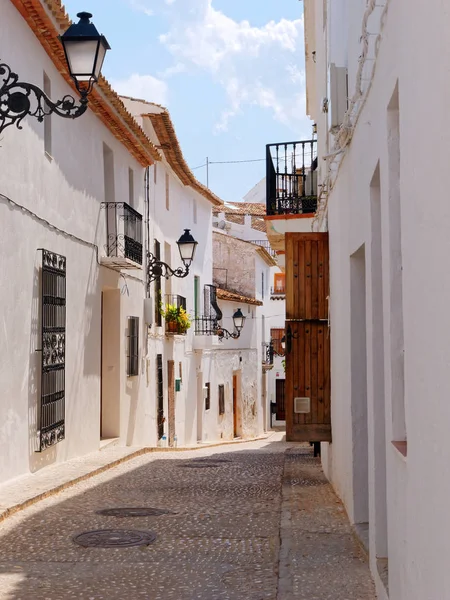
[85, 50]
[314, 129]
[313, 54]
[187, 247]
[286, 341]
[238, 322]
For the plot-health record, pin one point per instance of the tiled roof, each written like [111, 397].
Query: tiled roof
[244, 208]
[164, 129]
[234, 297]
[103, 101]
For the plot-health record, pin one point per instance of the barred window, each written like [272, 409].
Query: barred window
[221, 399]
[133, 346]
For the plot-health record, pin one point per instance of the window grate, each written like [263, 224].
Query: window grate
[133, 346]
[53, 393]
[221, 399]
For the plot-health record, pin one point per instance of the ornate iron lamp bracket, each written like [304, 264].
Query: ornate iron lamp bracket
[156, 269]
[19, 99]
[224, 334]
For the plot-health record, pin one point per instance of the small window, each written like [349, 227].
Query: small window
[221, 399]
[47, 119]
[158, 316]
[131, 187]
[167, 191]
[133, 347]
[196, 297]
[208, 396]
[194, 210]
[279, 283]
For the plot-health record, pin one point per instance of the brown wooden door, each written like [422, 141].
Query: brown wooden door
[280, 399]
[235, 431]
[171, 400]
[308, 390]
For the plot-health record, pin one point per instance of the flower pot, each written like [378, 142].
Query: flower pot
[172, 326]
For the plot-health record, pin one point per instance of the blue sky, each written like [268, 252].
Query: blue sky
[231, 73]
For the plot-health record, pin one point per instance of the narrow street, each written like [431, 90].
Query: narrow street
[250, 521]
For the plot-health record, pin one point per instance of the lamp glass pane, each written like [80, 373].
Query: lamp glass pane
[187, 251]
[100, 58]
[81, 58]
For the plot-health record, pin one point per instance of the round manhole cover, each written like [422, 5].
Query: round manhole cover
[114, 538]
[134, 512]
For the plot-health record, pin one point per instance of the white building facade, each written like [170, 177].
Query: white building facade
[387, 225]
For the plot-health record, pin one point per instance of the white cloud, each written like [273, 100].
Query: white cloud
[256, 66]
[260, 66]
[141, 7]
[144, 87]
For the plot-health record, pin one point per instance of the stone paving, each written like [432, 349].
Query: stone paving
[255, 521]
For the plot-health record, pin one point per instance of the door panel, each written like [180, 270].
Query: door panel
[307, 338]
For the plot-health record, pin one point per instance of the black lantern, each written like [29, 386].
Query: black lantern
[85, 51]
[283, 342]
[187, 247]
[238, 322]
[157, 268]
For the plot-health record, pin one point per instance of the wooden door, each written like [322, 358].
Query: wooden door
[171, 400]
[235, 432]
[308, 390]
[279, 399]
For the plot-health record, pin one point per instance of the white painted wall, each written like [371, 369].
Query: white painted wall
[66, 190]
[409, 246]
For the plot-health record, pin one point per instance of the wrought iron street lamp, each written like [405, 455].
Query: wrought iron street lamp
[283, 342]
[187, 247]
[238, 322]
[84, 50]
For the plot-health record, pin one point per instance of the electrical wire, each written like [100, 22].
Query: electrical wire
[356, 104]
[66, 234]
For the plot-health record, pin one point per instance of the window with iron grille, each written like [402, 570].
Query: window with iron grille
[158, 316]
[133, 346]
[276, 336]
[208, 396]
[221, 399]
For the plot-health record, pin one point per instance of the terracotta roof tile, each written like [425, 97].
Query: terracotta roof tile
[235, 297]
[164, 129]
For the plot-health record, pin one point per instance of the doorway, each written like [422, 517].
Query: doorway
[199, 407]
[359, 390]
[159, 396]
[280, 385]
[110, 365]
[236, 404]
[171, 400]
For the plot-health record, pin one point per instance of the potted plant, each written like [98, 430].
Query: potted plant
[176, 318]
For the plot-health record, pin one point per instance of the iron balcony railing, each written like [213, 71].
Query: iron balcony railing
[175, 316]
[267, 353]
[123, 231]
[266, 245]
[291, 178]
[206, 326]
[208, 323]
[278, 290]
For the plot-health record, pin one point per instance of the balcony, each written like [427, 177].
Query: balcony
[174, 312]
[124, 236]
[266, 245]
[291, 178]
[267, 356]
[278, 292]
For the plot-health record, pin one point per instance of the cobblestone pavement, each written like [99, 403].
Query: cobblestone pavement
[255, 521]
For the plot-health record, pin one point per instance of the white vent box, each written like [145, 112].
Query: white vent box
[302, 405]
[338, 96]
[148, 311]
